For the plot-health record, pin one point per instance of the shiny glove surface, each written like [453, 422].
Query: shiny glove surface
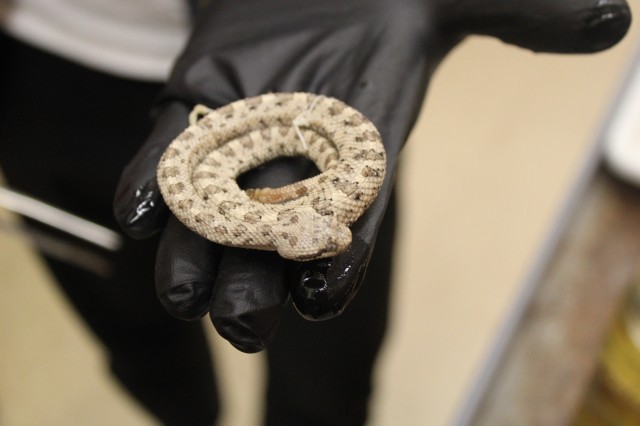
[375, 55]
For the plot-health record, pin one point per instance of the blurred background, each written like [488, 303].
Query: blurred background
[502, 136]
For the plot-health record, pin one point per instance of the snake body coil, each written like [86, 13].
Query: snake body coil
[302, 221]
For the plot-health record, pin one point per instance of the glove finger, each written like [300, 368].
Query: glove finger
[579, 26]
[251, 292]
[249, 297]
[322, 289]
[138, 204]
[186, 268]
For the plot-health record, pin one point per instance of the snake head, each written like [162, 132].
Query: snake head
[309, 235]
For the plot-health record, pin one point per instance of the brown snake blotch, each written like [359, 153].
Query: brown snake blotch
[302, 221]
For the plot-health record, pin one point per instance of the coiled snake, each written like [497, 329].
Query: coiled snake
[305, 220]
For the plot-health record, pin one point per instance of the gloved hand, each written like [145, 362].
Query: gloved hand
[375, 55]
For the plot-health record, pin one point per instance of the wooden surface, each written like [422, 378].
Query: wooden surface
[550, 362]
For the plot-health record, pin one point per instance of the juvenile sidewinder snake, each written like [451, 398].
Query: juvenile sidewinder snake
[305, 220]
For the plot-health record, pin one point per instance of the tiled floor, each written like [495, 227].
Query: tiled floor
[500, 138]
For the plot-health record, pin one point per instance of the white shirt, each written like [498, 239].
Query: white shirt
[136, 39]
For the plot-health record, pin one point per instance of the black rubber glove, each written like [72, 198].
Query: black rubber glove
[377, 56]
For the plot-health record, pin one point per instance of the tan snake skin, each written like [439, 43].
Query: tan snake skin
[302, 221]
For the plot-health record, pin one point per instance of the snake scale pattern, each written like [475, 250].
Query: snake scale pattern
[305, 220]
